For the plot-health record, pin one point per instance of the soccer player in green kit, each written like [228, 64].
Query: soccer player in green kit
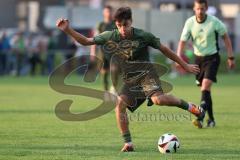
[139, 41]
[203, 30]
[106, 25]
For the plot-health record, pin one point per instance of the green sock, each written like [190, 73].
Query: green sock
[184, 105]
[127, 137]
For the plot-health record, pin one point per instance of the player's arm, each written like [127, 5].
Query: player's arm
[222, 31]
[181, 47]
[228, 44]
[63, 24]
[171, 55]
[186, 34]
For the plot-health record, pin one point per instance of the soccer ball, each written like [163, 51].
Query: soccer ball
[168, 143]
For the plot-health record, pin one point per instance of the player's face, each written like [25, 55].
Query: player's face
[200, 10]
[107, 13]
[124, 27]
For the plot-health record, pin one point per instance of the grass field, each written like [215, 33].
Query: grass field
[30, 130]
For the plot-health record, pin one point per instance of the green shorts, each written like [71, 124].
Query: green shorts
[140, 89]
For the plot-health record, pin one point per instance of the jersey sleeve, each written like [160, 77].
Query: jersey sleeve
[102, 38]
[220, 27]
[186, 33]
[152, 40]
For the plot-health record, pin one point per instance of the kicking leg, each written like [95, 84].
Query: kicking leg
[168, 100]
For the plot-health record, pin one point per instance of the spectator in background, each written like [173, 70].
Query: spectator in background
[42, 45]
[70, 53]
[51, 47]
[19, 48]
[33, 53]
[5, 48]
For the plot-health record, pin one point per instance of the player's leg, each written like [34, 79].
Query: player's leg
[206, 100]
[105, 74]
[123, 123]
[210, 69]
[105, 79]
[161, 99]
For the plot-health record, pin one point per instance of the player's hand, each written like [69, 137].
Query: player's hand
[231, 64]
[192, 68]
[62, 24]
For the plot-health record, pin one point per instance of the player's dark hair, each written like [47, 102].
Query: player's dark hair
[201, 1]
[108, 7]
[123, 13]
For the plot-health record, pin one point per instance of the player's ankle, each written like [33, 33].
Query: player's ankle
[127, 137]
[128, 143]
[190, 106]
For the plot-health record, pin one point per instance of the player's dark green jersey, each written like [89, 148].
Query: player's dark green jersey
[129, 53]
[102, 27]
[134, 49]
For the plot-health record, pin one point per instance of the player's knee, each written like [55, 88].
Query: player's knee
[205, 88]
[206, 85]
[158, 100]
[120, 105]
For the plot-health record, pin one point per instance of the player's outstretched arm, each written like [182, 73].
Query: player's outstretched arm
[228, 44]
[171, 55]
[63, 24]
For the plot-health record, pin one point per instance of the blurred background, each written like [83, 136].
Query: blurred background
[30, 44]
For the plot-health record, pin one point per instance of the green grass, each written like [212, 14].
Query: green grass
[29, 128]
